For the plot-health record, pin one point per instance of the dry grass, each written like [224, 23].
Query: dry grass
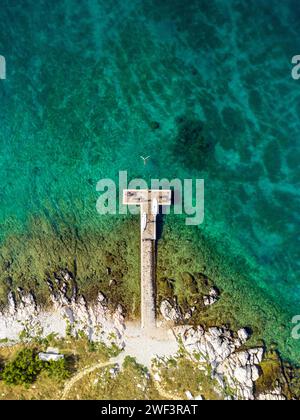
[181, 375]
[79, 355]
[131, 383]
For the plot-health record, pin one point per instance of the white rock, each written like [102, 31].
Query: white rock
[101, 297]
[275, 395]
[11, 304]
[255, 373]
[218, 347]
[243, 335]
[114, 372]
[170, 311]
[157, 377]
[49, 357]
[189, 395]
[22, 314]
[241, 375]
[214, 292]
[188, 315]
[271, 397]
[209, 300]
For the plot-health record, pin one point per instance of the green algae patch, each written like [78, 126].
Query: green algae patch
[271, 374]
[98, 261]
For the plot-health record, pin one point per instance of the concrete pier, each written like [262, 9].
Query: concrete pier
[148, 293]
[149, 201]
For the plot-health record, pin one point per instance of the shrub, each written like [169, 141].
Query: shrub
[23, 369]
[58, 369]
[108, 351]
[130, 363]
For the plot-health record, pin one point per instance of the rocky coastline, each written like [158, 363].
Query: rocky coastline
[70, 314]
[222, 353]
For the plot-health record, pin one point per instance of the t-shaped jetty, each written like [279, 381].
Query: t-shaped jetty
[149, 202]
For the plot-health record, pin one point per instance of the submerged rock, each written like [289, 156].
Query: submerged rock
[212, 297]
[155, 125]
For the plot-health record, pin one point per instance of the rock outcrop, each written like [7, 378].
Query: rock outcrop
[212, 297]
[170, 311]
[275, 395]
[70, 314]
[217, 350]
[234, 370]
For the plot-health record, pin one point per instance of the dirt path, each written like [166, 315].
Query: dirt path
[143, 347]
[69, 385]
[164, 393]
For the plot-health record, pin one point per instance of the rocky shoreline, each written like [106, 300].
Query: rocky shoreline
[219, 351]
[70, 315]
[234, 369]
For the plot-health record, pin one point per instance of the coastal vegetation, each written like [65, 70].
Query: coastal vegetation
[23, 369]
[275, 372]
[24, 376]
[131, 381]
[26, 366]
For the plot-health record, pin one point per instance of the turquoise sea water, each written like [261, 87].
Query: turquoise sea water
[87, 79]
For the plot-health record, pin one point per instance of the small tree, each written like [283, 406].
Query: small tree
[23, 369]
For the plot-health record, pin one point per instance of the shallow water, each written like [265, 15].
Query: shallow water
[86, 81]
